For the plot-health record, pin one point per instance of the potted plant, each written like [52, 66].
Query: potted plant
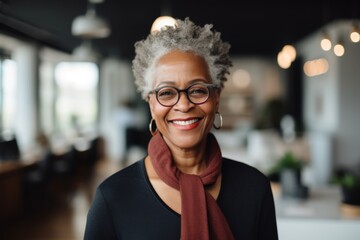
[350, 187]
[288, 171]
[349, 183]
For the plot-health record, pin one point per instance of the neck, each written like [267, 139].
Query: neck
[190, 161]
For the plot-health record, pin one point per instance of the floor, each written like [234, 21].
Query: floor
[63, 217]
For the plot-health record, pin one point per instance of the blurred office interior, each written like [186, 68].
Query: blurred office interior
[70, 114]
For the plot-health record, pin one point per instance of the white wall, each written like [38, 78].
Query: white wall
[321, 94]
[116, 85]
[348, 135]
[26, 125]
[331, 100]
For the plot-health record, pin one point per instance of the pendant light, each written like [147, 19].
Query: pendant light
[325, 42]
[90, 25]
[355, 33]
[164, 19]
[85, 52]
[339, 48]
[161, 22]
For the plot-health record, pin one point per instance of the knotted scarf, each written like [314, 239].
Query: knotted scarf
[201, 217]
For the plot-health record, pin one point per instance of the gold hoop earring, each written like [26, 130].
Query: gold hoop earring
[218, 122]
[153, 132]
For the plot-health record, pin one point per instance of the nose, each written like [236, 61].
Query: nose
[184, 103]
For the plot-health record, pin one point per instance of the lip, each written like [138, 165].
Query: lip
[185, 123]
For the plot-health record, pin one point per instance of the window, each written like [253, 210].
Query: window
[76, 101]
[7, 94]
[47, 97]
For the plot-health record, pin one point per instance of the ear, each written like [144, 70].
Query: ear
[151, 103]
[217, 94]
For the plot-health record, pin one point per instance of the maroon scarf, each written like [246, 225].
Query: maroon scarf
[201, 217]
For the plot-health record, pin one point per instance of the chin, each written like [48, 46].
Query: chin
[186, 141]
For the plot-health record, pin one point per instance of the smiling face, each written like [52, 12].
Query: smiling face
[184, 125]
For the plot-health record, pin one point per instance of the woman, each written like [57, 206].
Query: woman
[183, 188]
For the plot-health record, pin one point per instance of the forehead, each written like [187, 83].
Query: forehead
[177, 55]
[178, 65]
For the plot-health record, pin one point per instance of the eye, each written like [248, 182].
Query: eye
[167, 93]
[198, 91]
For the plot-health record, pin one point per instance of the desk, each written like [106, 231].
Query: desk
[318, 217]
[11, 187]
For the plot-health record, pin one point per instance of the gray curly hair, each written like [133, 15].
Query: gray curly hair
[187, 37]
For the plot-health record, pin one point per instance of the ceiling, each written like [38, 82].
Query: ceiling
[253, 28]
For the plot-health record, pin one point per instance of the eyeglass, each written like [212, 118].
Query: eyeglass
[197, 93]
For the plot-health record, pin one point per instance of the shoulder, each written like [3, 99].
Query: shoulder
[233, 166]
[243, 174]
[243, 184]
[125, 178]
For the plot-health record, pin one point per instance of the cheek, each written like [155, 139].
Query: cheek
[152, 107]
[214, 104]
[217, 100]
[209, 110]
[157, 111]
[211, 114]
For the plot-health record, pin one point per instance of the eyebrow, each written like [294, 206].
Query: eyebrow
[172, 83]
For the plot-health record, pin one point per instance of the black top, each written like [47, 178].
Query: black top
[126, 206]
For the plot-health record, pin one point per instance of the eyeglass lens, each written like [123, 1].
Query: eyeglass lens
[169, 96]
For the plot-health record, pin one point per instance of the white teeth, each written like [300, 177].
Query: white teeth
[185, 122]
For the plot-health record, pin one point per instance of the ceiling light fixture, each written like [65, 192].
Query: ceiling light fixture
[286, 56]
[85, 52]
[161, 22]
[339, 48]
[90, 25]
[316, 67]
[290, 51]
[355, 34]
[164, 19]
[325, 42]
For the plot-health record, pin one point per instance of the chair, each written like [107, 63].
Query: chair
[9, 150]
[37, 182]
[94, 151]
[137, 137]
[66, 163]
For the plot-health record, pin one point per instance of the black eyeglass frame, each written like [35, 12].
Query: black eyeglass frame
[210, 87]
